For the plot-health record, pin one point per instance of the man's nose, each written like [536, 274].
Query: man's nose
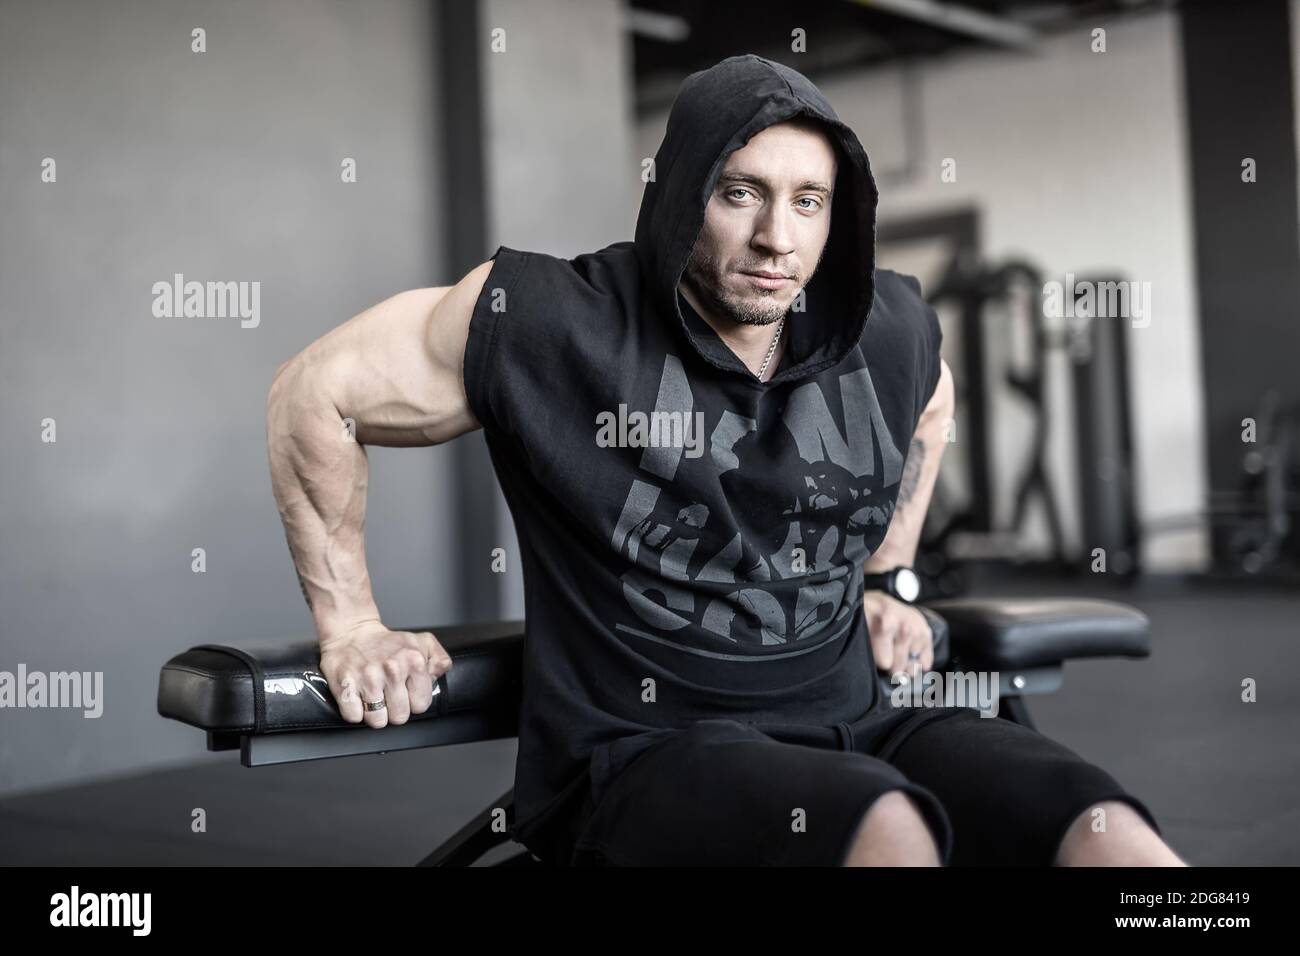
[774, 233]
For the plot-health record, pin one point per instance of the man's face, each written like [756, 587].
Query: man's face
[770, 212]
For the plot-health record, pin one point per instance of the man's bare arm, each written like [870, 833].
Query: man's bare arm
[920, 471]
[393, 375]
[898, 630]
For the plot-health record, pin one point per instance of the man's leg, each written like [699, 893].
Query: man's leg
[893, 833]
[1127, 840]
[721, 793]
[1017, 797]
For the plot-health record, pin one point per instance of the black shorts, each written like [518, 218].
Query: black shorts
[727, 792]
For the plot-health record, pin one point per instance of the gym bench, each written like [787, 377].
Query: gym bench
[274, 706]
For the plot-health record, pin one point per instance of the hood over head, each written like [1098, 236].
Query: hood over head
[716, 112]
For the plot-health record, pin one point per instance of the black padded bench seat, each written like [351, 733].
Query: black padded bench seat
[1016, 633]
[213, 687]
[272, 703]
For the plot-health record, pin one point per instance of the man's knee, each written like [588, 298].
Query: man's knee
[1124, 839]
[893, 832]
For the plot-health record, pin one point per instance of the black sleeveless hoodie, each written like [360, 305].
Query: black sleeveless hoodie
[673, 576]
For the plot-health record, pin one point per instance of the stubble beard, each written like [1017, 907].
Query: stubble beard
[705, 276]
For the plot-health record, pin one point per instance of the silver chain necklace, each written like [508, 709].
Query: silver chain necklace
[772, 348]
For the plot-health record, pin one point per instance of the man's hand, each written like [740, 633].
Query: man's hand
[372, 663]
[897, 629]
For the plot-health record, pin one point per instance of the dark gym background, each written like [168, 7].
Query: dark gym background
[1124, 164]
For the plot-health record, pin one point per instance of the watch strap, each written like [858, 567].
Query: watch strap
[883, 581]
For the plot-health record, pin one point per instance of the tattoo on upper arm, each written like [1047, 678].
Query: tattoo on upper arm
[907, 485]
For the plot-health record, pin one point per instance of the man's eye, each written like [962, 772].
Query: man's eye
[815, 203]
[736, 189]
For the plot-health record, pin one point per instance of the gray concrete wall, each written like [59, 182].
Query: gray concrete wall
[223, 165]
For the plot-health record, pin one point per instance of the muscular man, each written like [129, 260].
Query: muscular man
[701, 648]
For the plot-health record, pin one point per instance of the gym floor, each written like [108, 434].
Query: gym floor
[1222, 776]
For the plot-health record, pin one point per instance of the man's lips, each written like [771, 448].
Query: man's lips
[767, 280]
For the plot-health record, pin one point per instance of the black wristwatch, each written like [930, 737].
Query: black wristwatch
[901, 583]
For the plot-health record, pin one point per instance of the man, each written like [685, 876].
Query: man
[708, 437]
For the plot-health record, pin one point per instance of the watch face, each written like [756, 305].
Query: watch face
[907, 584]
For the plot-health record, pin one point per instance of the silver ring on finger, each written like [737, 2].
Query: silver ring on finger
[376, 704]
[913, 655]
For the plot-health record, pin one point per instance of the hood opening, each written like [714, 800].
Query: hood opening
[716, 112]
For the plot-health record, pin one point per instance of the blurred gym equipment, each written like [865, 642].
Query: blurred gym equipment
[1004, 348]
